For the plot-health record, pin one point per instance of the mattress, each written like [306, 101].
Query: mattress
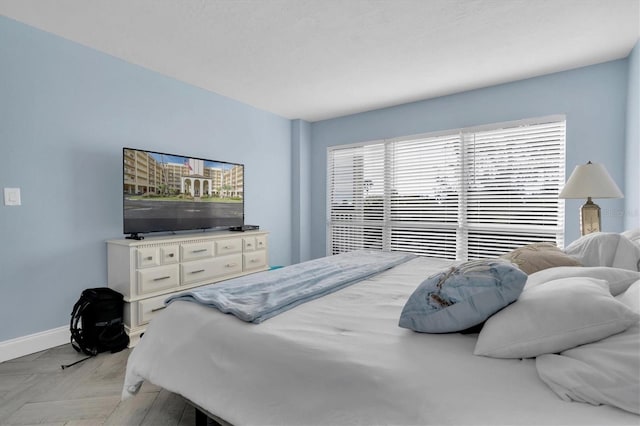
[343, 360]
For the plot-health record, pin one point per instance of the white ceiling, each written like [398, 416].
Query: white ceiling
[318, 59]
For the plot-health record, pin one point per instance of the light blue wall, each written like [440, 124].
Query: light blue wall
[66, 111]
[632, 171]
[593, 99]
[300, 191]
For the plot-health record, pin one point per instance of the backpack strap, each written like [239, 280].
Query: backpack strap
[63, 366]
[76, 333]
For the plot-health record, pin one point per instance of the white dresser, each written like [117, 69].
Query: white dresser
[147, 271]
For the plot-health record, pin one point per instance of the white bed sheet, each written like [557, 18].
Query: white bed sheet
[342, 359]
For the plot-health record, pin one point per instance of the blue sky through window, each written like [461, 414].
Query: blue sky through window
[175, 159]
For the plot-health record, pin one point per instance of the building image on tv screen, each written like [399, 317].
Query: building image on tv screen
[164, 192]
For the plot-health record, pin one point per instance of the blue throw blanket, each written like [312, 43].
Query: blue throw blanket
[257, 297]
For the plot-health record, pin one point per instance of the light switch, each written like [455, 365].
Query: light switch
[12, 197]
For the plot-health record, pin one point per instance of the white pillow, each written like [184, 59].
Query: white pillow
[554, 317]
[605, 249]
[631, 297]
[633, 235]
[619, 279]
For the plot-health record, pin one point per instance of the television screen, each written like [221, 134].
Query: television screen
[166, 192]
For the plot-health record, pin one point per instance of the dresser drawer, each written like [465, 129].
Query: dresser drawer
[249, 243]
[203, 270]
[228, 246]
[228, 265]
[255, 260]
[261, 242]
[155, 279]
[147, 308]
[169, 255]
[147, 257]
[195, 251]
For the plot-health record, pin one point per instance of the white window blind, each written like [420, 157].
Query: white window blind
[468, 194]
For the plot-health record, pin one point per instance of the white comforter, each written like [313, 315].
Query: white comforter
[603, 372]
[342, 359]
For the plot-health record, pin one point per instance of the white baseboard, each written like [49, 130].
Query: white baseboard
[25, 345]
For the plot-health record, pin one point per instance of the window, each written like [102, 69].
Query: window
[463, 194]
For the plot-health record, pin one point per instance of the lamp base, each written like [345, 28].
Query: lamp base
[589, 217]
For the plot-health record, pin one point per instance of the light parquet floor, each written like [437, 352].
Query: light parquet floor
[35, 390]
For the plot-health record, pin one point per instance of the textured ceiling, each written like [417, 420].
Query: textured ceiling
[318, 59]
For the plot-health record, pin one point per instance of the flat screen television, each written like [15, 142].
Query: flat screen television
[168, 192]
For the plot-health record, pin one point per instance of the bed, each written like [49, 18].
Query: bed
[342, 359]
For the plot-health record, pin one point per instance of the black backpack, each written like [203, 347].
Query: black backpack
[96, 322]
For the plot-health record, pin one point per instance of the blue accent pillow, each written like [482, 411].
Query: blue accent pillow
[462, 296]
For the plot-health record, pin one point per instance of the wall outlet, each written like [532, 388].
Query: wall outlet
[12, 197]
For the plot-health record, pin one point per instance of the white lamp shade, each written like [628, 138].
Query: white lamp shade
[590, 180]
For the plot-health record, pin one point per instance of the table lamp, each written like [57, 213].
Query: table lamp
[590, 181]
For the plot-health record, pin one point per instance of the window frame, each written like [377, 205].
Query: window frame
[554, 233]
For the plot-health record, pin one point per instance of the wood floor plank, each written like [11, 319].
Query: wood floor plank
[29, 357]
[10, 381]
[48, 361]
[35, 390]
[188, 416]
[70, 379]
[149, 387]
[55, 424]
[166, 410]
[27, 391]
[94, 409]
[95, 389]
[28, 367]
[132, 411]
[59, 351]
[89, 422]
[106, 378]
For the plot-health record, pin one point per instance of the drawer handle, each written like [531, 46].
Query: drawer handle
[231, 265]
[260, 244]
[158, 309]
[198, 251]
[171, 254]
[162, 278]
[197, 272]
[227, 247]
[253, 260]
[148, 258]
